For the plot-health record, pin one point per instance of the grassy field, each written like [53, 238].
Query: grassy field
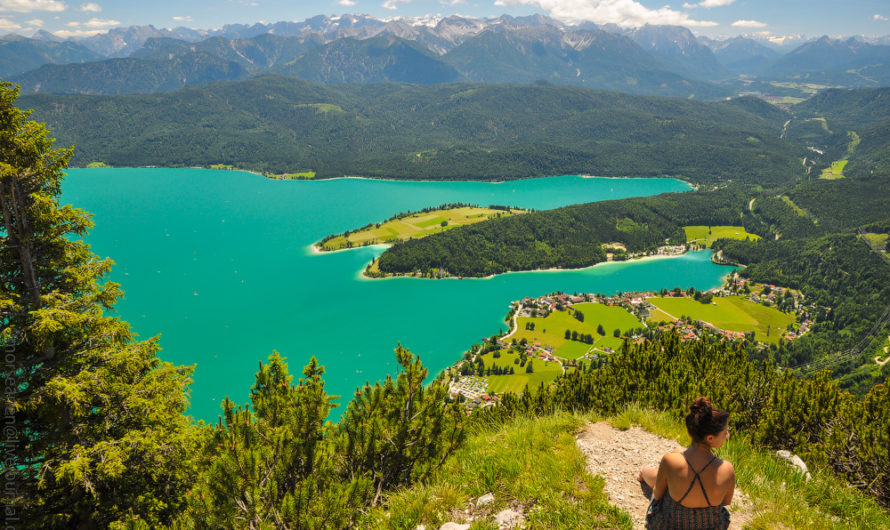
[543, 372]
[414, 226]
[836, 171]
[303, 175]
[323, 108]
[550, 331]
[734, 313]
[877, 241]
[706, 235]
[809, 88]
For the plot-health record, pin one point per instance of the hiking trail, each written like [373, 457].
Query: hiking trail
[618, 456]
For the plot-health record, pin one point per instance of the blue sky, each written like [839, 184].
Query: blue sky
[774, 18]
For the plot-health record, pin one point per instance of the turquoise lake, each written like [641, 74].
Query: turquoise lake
[219, 263]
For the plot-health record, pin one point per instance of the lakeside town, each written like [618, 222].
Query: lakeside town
[471, 378]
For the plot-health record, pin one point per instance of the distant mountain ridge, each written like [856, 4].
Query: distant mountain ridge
[657, 60]
[363, 49]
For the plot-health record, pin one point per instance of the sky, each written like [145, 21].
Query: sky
[773, 19]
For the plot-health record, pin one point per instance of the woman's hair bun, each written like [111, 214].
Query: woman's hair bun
[704, 419]
[701, 407]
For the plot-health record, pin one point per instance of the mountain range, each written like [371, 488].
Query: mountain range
[654, 60]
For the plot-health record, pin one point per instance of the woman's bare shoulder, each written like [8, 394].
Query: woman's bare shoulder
[726, 468]
[674, 458]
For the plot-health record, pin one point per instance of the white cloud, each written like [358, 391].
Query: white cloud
[748, 24]
[709, 4]
[452, 2]
[346, 3]
[94, 23]
[77, 33]
[100, 23]
[881, 17]
[620, 12]
[780, 39]
[91, 8]
[26, 6]
[393, 4]
[34, 22]
[183, 19]
[8, 25]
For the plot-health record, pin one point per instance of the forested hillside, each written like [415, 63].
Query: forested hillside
[278, 125]
[848, 124]
[808, 227]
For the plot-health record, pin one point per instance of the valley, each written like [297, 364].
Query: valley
[395, 270]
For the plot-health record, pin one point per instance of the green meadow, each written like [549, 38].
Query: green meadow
[877, 241]
[303, 175]
[836, 171]
[550, 330]
[543, 372]
[734, 313]
[414, 226]
[706, 235]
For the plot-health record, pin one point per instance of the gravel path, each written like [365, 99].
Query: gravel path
[618, 456]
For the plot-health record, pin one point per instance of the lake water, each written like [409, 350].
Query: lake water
[219, 263]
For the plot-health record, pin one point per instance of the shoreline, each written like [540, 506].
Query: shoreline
[315, 250]
[552, 269]
[270, 176]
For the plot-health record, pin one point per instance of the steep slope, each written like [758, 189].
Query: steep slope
[256, 54]
[744, 56]
[679, 51]
[852, 62]
[590, 58]
[122, 76]
[20, 54]
[829, 119]
[378, 59]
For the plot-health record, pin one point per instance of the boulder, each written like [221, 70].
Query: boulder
[454, 526]
[485, 500]
[799, 465]
[509, 519]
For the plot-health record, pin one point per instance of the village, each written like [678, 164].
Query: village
[470, 382]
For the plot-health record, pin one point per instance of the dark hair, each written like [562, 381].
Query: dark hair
[704, 419]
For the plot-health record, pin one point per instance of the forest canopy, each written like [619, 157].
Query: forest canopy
[449, 131]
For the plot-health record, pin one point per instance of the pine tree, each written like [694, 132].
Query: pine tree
[99, 431]
[399, 431]
[271, 464]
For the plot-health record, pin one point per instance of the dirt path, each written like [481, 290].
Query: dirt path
[618, 456]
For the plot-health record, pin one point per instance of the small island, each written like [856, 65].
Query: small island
[414, 225]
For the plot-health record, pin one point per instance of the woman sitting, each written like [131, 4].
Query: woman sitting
[692, 487]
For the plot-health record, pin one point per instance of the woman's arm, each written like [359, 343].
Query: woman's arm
[727, 499]
[661, 481]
